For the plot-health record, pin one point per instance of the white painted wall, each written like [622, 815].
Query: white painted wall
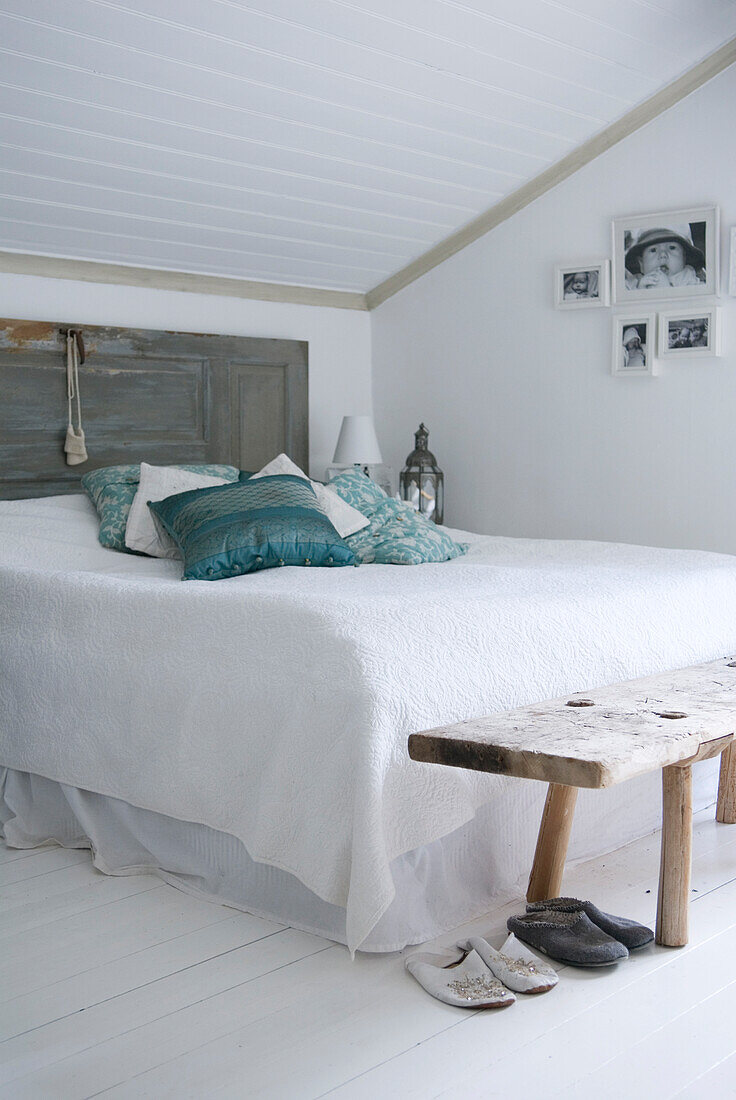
[339, 339]
[534, 434]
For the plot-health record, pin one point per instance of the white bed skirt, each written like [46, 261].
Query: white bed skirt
[438, 886]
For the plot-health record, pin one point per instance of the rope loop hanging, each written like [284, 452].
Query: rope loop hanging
[74, 445]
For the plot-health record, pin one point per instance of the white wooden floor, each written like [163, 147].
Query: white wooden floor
[129, 988]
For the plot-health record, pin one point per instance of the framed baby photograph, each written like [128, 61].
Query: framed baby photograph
[690, 333]
[582, 285]
[634, 344]
[666, 256]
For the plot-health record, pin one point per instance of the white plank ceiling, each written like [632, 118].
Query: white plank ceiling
[324, 143]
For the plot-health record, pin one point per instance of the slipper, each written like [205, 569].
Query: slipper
[570, 937]
[515, 965]
[628, 932]
[465, 983]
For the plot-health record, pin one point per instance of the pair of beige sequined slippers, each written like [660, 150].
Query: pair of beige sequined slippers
[476, 975]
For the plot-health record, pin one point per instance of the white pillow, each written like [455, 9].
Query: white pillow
[157, 483]
[344, 518]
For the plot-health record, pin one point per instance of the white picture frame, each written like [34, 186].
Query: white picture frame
[732, 264]
[690, 332]
[666, 256]
[583, 285]
[636, 356]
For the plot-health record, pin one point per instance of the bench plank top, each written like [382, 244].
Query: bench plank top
[598, 738]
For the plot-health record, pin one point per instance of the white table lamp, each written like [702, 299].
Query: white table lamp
[357, 444]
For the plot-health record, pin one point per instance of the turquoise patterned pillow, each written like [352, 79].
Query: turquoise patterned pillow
[112, 489]
[396, 535]
[358, 490]
[257, 524]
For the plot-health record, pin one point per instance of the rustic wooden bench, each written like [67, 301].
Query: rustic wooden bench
[669, 721]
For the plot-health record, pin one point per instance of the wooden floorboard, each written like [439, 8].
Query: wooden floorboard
[52, 884]
[669, 1052]
[71, 946]
[114, 978]
[93, 894]
[10, 855]
[715, 1083]
[128, 988]
[48, 859]
[63, 1049]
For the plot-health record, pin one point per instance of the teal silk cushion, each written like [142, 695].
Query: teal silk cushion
[112, 489]
[396, 534]
[257, 524]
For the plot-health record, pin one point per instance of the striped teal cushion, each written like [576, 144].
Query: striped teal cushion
[250, 525]
[112, 489]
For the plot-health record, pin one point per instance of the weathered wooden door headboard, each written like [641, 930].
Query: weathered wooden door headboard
[159, 397]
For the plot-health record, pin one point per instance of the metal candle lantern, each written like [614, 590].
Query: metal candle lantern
[422, 482]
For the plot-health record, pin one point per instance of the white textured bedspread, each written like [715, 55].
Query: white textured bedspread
[276, 706]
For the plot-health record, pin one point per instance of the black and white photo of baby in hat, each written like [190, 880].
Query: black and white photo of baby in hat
[663, 257]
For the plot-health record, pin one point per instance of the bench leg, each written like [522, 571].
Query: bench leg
[673, 902]
[545, 880]
[726, 808]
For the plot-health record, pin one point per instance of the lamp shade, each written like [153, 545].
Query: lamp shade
[357, 442]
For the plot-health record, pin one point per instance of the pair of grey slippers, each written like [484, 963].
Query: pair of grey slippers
[578, 933]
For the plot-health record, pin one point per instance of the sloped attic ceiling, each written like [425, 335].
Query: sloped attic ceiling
[324, 143]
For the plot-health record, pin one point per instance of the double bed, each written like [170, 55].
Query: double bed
[247, 739]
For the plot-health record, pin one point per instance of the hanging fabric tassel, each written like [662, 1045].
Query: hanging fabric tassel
[74, 447]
